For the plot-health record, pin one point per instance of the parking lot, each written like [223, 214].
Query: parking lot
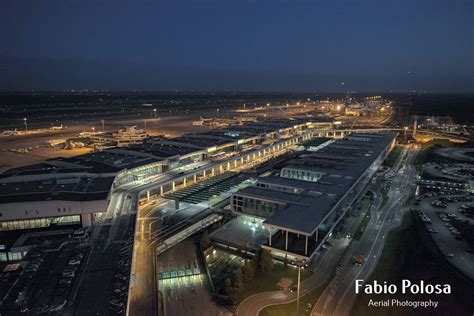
[445, 217]
[105, 282]
[48, 276]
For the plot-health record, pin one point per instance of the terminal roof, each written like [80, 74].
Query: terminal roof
[340, 165]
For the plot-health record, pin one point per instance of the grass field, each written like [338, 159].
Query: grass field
[384, 190]
[393, 156]
[363, 224]
[391, 249]
[405, 257]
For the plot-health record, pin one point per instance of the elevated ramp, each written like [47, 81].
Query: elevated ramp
[181, 233]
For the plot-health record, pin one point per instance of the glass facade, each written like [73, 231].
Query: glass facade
[40, 222]
[300, 174]
[12, 256]
[280, 188]
[254, 207]
[138, 174]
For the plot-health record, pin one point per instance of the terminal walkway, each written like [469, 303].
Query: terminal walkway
[207, 189]
[185, 229]
[178, 273]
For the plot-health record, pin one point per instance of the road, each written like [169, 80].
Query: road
[143, 298]
[340, 295]
[323, 267]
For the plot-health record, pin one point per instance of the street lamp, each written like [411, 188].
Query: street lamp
[154, 111]
[103, 126]
[299, 264]
[93, 129]
[26, 124]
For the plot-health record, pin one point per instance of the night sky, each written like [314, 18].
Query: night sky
[233, 45]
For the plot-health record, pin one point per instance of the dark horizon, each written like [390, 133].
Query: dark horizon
[53, 75]
[73, 92]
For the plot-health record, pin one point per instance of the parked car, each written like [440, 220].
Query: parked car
[74, 262]
[65, 281]
[69, 274]
[121, 277]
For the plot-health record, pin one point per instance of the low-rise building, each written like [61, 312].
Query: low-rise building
[121, 138]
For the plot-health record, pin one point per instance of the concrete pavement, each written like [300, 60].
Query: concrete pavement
[143, 298]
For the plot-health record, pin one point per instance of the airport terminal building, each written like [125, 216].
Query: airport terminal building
[299, 207]
[70, 192]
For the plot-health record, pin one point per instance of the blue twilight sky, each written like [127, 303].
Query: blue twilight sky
[255, 45]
